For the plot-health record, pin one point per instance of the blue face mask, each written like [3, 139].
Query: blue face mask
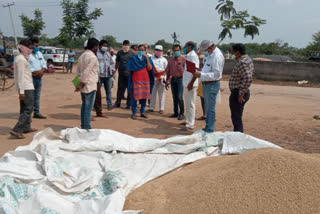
[35, 50]
[176, 53]
[185, 51]
[206, 54]
[140, 54]
[186, 48]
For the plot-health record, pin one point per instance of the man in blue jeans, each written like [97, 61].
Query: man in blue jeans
[37, 66]
[210, 77]
[87, 68]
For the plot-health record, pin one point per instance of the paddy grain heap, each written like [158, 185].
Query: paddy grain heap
[260, 181]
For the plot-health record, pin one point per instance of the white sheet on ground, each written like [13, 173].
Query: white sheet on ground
[81, 172]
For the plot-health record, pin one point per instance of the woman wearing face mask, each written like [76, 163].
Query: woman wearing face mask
[141, 80]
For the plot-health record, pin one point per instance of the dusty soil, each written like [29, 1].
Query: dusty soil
[280, 114]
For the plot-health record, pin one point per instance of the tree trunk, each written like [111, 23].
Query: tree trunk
[64, 55]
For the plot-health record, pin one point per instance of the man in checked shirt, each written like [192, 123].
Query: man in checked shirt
[239, 83]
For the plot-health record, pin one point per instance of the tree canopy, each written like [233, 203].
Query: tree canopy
[32, 27]
[231, 19]
[77, 20]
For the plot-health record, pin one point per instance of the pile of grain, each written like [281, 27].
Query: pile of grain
[260, 181]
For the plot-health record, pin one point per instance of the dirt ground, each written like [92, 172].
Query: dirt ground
[280, 114]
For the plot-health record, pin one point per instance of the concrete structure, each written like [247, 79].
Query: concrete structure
[281, 71]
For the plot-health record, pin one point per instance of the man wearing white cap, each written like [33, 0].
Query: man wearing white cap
[210, 77]
[160, 64]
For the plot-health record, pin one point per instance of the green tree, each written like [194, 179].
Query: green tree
[315, 44]
[112, 41]
[77, 20]
[231, 19]
[32, 27]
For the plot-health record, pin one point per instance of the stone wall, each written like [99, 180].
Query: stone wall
[282, 71]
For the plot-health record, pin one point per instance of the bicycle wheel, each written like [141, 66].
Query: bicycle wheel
[6, 79]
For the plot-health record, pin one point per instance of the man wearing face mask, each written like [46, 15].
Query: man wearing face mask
[160, 64]
[190, 86]
[106, 72]
[141, 80]
[174, 73]
[37, 66]
[24, 83]
[87, 68]
[122, 59]
[210, 77]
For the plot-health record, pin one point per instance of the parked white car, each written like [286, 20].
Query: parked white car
[55, 54]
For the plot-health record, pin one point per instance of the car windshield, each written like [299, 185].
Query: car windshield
[59, 51]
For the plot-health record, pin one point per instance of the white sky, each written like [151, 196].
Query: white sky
[140, 21]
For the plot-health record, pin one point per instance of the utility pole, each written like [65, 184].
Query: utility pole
[12, 23]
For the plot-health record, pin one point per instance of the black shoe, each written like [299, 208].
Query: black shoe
[116, 106]
[180, 117]
[39, 116]
[173, 116]
[128, 107]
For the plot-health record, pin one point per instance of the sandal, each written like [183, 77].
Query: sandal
[133, 117]
[202, 118]
[17, 135]
[32, 130]
[144, 116]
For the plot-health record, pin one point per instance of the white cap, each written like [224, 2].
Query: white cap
[205, 44]
[159, 47]
[85, 44]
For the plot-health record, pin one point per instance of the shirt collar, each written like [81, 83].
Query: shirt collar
[191, 52]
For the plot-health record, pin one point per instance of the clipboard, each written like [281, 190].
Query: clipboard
[191, 67]
[76, 81]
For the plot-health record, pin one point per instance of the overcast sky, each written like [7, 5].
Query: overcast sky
[293, 21]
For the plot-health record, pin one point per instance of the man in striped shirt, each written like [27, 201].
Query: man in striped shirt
[239, 84]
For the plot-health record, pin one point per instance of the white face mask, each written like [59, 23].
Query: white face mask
[104, 49]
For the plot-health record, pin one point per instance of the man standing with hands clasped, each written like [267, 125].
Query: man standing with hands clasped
[210, 77]
[190, 85]
[174, 72]
[160, 64]
[37, 67]
[239, 83]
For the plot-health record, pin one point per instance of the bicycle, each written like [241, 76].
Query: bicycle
[6, 77]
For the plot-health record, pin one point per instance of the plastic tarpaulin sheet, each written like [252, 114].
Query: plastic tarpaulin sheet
[81, 172]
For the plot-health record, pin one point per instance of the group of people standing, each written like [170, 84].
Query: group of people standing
[145, 77]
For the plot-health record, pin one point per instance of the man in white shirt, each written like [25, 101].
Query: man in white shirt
[190, 86]
[24, 84]
[160, 63]
[210, 77]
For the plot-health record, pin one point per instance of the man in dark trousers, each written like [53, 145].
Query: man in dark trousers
[239, 84]
[122, 59]
[37, 66]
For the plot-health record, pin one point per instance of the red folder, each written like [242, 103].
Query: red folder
[191, 67]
